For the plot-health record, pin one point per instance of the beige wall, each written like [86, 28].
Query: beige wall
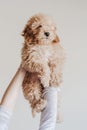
[71, 18]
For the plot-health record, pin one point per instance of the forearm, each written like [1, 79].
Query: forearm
[49, 113]
[5, 117]
[11, 93]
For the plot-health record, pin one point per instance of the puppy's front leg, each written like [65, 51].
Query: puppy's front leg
[45, 76]
[43, 73]
[56, 75]
[35, 63]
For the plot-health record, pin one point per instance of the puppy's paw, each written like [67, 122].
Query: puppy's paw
[34, 112]
[40, 105]
[44, 82]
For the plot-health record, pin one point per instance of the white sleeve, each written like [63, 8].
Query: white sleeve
[5, 116]
[49, 113]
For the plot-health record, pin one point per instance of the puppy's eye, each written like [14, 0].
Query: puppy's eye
[39, 26]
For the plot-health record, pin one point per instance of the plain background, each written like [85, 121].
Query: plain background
[71, 19]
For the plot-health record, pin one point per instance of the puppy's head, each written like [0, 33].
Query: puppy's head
[40, 29]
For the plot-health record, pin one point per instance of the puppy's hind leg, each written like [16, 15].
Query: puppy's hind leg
[38, 106]
[32, 91]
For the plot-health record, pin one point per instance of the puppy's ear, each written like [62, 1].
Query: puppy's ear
[25, 32]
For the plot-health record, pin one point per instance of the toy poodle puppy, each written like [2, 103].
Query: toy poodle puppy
[42, 58]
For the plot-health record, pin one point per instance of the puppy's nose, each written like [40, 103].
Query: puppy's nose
[47, 34]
